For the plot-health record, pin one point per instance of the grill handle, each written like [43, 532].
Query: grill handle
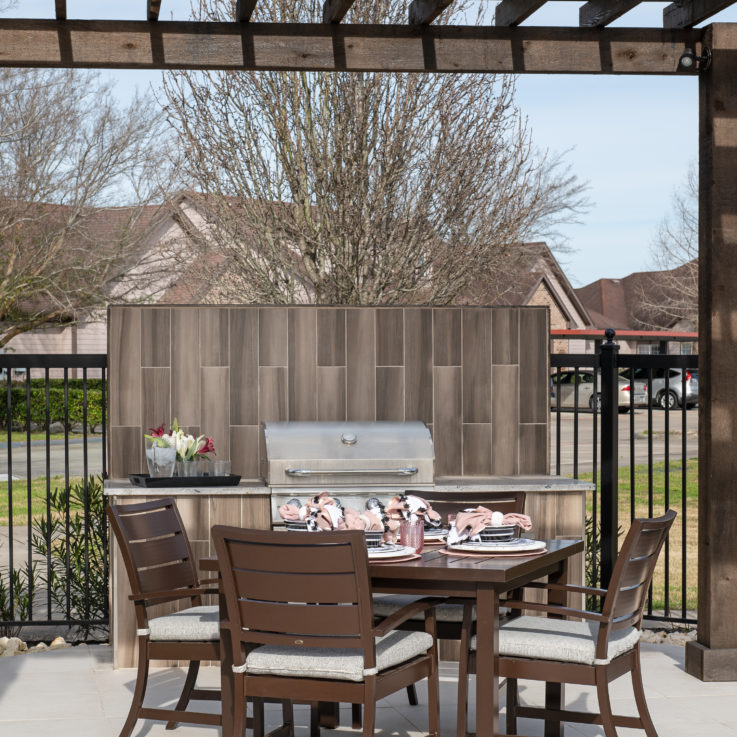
[408, 471]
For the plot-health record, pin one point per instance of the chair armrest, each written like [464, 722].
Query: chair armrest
[553, 609]
[214, 581]
[170, 595]
[571, 588]
[405, 613]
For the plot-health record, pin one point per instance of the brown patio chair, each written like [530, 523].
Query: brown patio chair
[158, 560]
[593, 652]
[301, 623]
[449, 615]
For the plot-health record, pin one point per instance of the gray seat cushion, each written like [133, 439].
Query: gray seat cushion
[561, 640]
[387, 604]
[195, 623]
[344, 664]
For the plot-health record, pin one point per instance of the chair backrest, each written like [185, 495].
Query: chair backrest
[451, 502]
[154, 546]
[296, 588]
[633, 571]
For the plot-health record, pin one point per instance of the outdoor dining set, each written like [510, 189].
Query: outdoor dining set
[334, 616]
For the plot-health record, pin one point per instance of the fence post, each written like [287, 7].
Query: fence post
[609, 455]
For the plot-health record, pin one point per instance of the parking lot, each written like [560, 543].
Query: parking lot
[642, 433]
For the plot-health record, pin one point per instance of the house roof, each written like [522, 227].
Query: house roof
[618, 303]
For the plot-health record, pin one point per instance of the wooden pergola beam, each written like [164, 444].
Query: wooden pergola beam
[423, 12]
[154, 6]
[61, 9]
[244, 10]
[687, 13]
[598, 13]
[342, 47]
[333, 11]
[513, 12]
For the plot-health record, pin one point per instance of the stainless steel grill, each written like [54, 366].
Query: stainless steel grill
[352, 460]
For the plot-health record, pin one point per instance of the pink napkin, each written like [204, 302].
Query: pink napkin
[289, 512]
[475, 520]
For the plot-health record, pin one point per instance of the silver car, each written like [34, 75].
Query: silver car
[566, 382]
[671, 398]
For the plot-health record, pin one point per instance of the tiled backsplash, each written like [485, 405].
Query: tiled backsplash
[477, 376]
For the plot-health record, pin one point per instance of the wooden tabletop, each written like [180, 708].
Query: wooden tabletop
[435, 565]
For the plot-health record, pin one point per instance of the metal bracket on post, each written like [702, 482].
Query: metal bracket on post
[609, 455]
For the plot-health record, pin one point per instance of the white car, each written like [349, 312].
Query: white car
[565, 382]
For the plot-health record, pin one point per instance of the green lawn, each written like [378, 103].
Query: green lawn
[20, 498]
[684, 526]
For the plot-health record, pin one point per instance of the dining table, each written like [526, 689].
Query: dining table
[483, 579]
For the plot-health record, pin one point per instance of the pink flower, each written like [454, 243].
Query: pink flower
[208, 447]
[158, 432]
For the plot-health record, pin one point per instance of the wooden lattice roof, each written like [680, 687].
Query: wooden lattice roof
[594, 13]
[424, 43]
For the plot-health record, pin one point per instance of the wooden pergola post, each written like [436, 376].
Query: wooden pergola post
[714, 656]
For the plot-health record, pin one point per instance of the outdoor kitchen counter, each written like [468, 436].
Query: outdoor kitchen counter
[201, 507]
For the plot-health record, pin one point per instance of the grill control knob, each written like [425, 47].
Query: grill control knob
[348, 438]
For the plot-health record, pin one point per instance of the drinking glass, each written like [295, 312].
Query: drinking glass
[221, 468]
[412, 534]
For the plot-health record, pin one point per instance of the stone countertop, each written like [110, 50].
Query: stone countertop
[512, 483]
[247, 487]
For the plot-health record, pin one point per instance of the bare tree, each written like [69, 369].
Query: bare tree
[360, 188]
[78, 179]
[669, 295]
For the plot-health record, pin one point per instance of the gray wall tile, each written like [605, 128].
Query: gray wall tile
[243, 363]
[124, 345]
[273, 336]
[390, 337]
[447, 336]
[331, 337]
[476, 365]
[418, 367]
[331, 394]
[390, 393]
[303, 363]
[361, 364]
[185, 365]
[155, 337]
[477, 450]
[447, 420]
[214, 337]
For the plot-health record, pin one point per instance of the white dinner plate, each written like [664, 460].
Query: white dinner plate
[390, 551]
[517, 545]
[435, 532]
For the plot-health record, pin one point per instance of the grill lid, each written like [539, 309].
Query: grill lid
[331, 453]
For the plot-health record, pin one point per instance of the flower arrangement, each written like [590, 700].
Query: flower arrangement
[188, 447]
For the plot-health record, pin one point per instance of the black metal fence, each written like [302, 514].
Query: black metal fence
[629, 424]
[53, 540]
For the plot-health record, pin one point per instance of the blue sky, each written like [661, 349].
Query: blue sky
[620, 134]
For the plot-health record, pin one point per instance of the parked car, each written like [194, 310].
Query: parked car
[566, 381]
[673, 397]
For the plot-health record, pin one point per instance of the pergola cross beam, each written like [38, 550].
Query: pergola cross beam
[333, 11]
[61, 9]
[154, 6]
[687, 13]
[343, 47]
[602, 12]
[422, 12]
[244, 10]
[513, 12]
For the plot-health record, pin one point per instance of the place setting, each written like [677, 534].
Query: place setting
[483, 532]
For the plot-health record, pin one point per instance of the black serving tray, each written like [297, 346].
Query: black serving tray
[144, 480]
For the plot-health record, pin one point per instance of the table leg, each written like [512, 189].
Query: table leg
[487, 645]
[555, 692]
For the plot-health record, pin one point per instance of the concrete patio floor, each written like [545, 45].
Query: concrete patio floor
[76, 693]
